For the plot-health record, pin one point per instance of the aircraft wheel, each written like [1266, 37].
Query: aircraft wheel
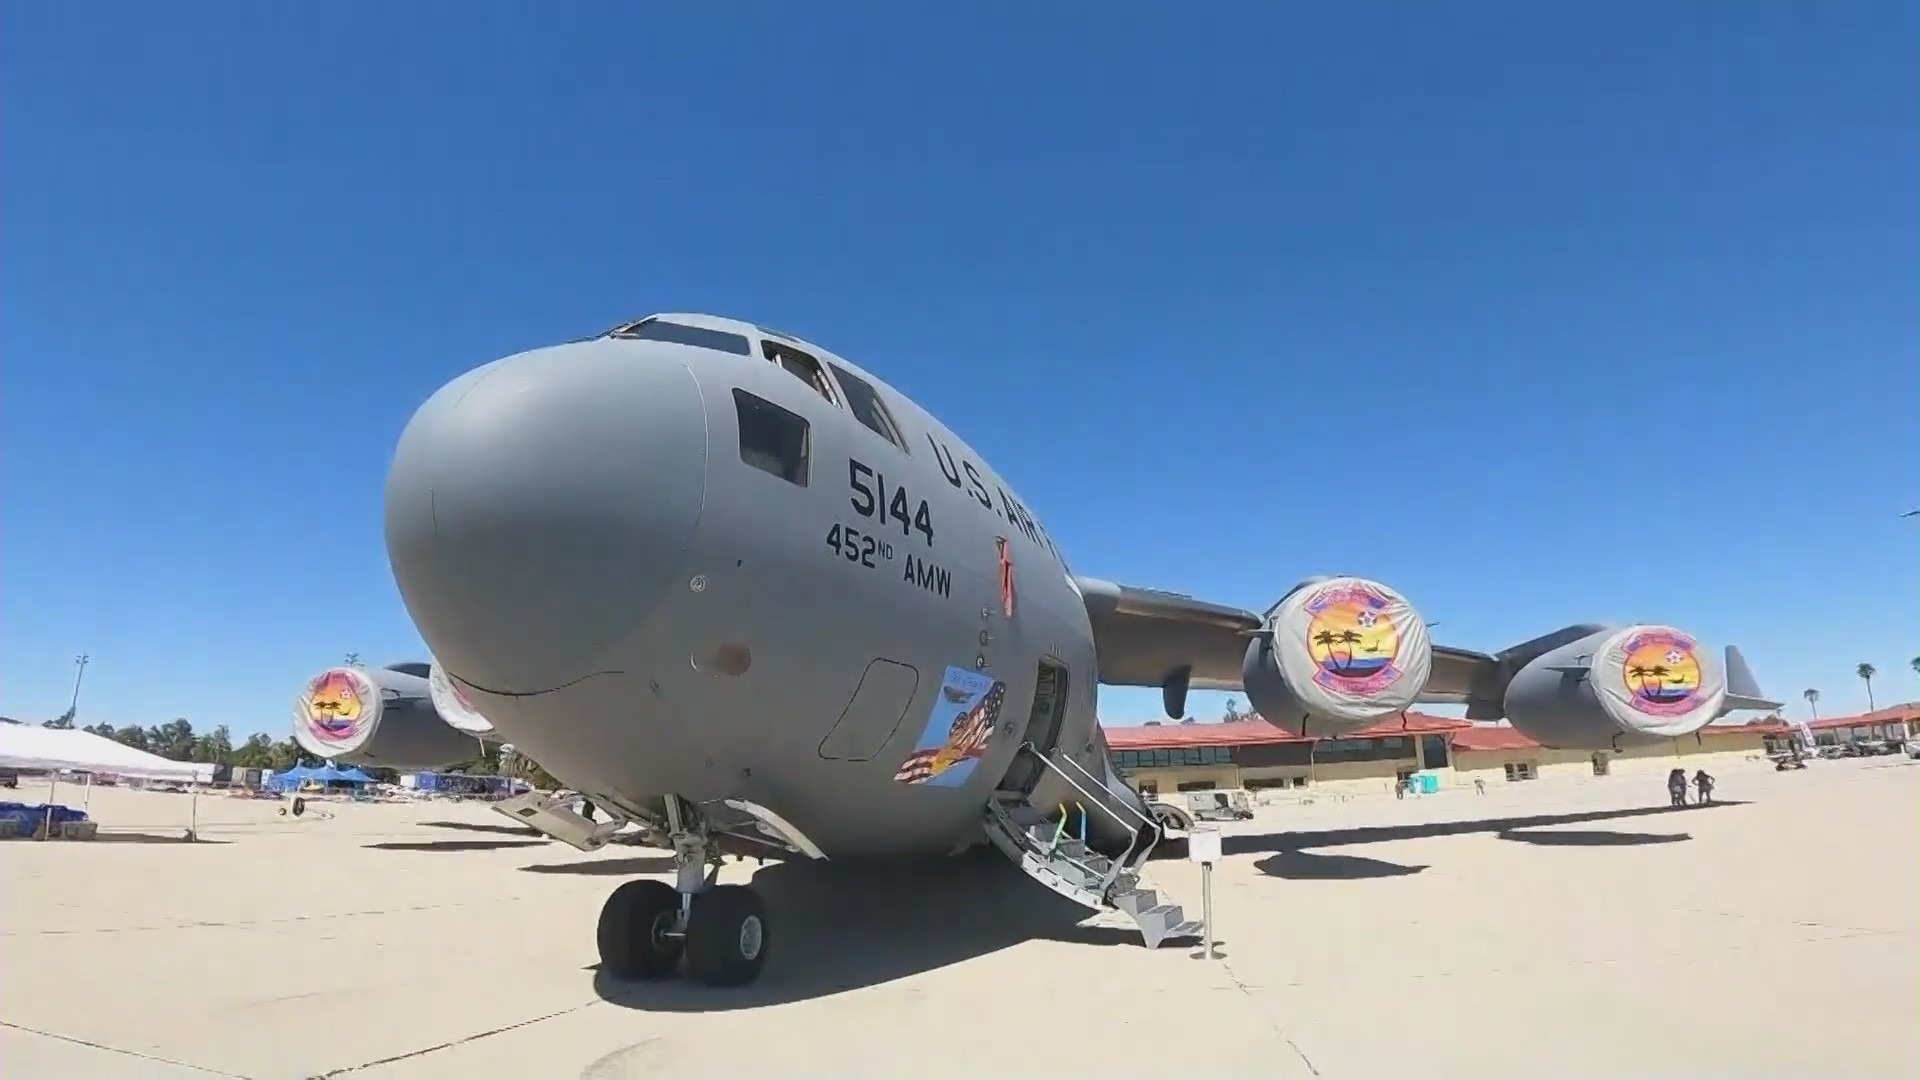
[1169, 818]
[635, 931]
[727, 936]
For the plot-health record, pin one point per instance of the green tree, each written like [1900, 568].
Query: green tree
[172, 740]
[135, 736]
[287, 754]
[62, 722]
[215, 747]
[1866, 673]
[255, 753]
[103, 730]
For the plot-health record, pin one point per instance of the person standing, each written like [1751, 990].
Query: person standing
[1703, 783]
[1677, 786]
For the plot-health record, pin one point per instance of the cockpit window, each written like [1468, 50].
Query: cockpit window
[867, 406]
[681, 334]
[799, 365]
[772, 439]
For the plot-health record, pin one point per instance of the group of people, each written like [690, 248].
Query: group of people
[1677, 786]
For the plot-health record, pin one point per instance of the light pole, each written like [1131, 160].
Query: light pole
[80, 662]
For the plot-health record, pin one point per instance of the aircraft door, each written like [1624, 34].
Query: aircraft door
[1051, 683]
[879, 705]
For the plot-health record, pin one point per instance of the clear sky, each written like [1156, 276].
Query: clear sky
[1541, 312]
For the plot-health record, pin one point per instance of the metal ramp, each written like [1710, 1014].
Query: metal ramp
[1047, 850]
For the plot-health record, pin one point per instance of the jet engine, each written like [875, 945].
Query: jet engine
[452, 704]
[1337, 654]
[1617, 687]
[387, 717]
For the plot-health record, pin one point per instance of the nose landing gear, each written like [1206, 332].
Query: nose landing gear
[647, 927]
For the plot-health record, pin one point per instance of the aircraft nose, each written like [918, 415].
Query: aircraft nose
[538, 507]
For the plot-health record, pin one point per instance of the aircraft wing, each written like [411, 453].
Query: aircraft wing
[1147, 637]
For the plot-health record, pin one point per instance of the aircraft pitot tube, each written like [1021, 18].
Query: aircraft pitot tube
[402, 716]
[1337, 654]
[1633, 684]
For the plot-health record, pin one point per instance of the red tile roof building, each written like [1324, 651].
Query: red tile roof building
[1462, 734]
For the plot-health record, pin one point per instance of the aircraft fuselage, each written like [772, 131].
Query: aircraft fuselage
[697, 557]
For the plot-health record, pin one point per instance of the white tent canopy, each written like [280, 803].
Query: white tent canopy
[23, 746]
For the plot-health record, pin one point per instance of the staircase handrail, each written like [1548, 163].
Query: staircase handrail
[1048, 761]
[1139, 858]
[1120, 865]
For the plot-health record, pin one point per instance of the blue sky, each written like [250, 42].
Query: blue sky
[1587, 312]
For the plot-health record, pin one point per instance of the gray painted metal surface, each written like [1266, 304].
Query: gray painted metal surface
[695, 558]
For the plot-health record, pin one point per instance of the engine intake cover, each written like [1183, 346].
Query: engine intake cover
[1338, 654]
[1630, 686]
[1655, 680]
[452, 704]
[384, 718]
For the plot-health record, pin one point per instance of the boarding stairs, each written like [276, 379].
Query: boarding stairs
[1051, 848]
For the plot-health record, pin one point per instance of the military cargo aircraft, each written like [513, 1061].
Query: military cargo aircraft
[748, 598]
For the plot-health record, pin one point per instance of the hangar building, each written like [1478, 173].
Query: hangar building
[1164, 758]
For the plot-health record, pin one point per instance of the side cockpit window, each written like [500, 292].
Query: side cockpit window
[799, 365]
[681, 334]
[773, 439]
[867, 406]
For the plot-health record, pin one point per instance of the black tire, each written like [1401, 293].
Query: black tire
[727, 936]
[299, 806]
[1168, 817]
[632, 931]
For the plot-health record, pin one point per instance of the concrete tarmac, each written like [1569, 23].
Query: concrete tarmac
[1552, 928]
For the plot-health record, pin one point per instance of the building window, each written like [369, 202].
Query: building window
[1521, 770]
[1149, 790]
[1433, 751]
[1391, 748]
[1197, 785]
[1265, 755]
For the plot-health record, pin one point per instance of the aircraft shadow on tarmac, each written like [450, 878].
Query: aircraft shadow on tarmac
[1296, 862]
[1378, 834]
[1313, 866]
[842, 925]
[452, 845]
[644, 864]
[482, 827]
[153, 838]
[1592, 838]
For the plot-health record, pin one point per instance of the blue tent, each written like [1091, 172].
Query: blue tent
[324, 774]
[291, 777]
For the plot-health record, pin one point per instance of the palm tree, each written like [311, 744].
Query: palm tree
[1866, 673]
[1915, 665]
[1813, 700]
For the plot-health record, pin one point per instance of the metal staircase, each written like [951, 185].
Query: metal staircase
[1047, 850]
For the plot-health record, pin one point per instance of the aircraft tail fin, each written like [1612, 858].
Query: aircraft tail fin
[1743, 690]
